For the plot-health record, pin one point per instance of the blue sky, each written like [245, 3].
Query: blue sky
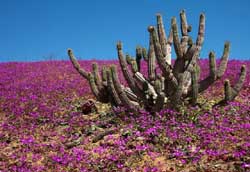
[33, 30]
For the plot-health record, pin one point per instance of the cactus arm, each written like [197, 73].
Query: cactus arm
[161, 34]
[241, 80]
[168, 54]
[179, 49]
[194, 76]
[144, 54]
[237, 87]
[157, 46]
[122, 95]
[161, 97]
[87, 75]
[97, 77]
[124, 66]
[114, 96]
[187, 82]
[193, 61]
[169, 43]
[126, 73]
[190, 52]
[177, 44]
[184, 31]
[198, 72]
[201, 32]
[227, 91]
[187, 76]
[132, 63]
[138, 57]
[93, 86]
[209, 80]
[158, 51]
[134, 66]
[128, 59]
[184, 24]
[170, 37]
[215, 73]
[165, 67]
[104, 76]
[224, 60]
[77, 65]
[231, 92]
[151, 60]
[212, 65]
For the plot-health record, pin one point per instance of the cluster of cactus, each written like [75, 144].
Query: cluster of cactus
[170, 87]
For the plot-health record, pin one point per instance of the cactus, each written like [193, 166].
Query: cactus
[194, 75]
[151, 60]
[114, 98]
[174, 84]
[231, 93]
[144, 54]
[139, 56]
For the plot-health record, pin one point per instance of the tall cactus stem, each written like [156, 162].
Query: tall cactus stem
[227, 91]
[138, 57]
[97, 76]
[177, 44]
[128, 59]
[93, 86]
[212, 65]
[114, 96]
[184, 24]
[198, 69]
[126, 73]
[161, 34]
[224, 60]
[104, 75]
[184, 31]
[165, 67]
[194, 76]
[190, 52]
[239, 84]
[170, 37]
[122, 95]
[144, 54]
[201, 32]
[134, 66]
[151, 59]
[169, 48]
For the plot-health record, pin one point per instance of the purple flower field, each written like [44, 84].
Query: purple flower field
[42, 127]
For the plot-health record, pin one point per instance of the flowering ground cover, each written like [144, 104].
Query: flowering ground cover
[42, 127]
